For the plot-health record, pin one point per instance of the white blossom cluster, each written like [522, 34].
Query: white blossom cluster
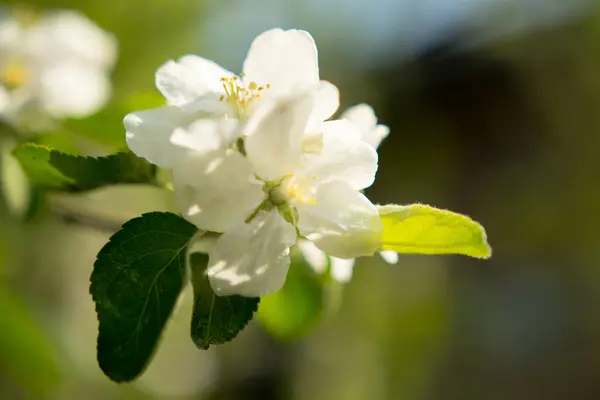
[257, 158]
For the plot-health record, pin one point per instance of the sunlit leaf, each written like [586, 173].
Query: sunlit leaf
[423, 229]
[136, 281]
[55, 170]
[294, 310]
[216, 319]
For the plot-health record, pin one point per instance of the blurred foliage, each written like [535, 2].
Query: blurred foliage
[296, 309]
[27, 355]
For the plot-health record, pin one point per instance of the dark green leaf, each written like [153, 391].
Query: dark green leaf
[55, 170]
[216, 319]
[136, 281]
[294, 310]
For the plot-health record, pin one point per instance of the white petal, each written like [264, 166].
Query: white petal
[70, 35]
[376, 136]
[274, 142]
[191, 77]
[287, 60]
[363, 116]
[344, 156]
[315, 257]
[216, 190]
[252, 259]
[327, 101]
[342, 269]
[207, 135]
[73, 90]
[390, 256]
[148, 134]
[11, 33]
[343, 222]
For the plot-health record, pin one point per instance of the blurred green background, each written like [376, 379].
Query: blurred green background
[494, 109]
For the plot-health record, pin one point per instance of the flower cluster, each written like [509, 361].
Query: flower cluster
[256, 158]
[52, 64]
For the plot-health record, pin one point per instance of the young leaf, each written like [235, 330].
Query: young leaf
[35, 160]
[136, 281]
[55, 170]
[216, 319]
[294, 310]
[423, 229]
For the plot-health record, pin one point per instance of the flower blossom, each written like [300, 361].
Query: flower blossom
[255, 158]
[53, 64]
[364, 118]
[279, 64]
[290, 180]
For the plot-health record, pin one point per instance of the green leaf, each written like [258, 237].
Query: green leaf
[55, 170]
[418, 228]
[136, 281]
[216, 319]
[298, 307]
[35, 160]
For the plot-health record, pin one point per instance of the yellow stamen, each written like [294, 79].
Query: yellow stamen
[14, 74]
[240, 96]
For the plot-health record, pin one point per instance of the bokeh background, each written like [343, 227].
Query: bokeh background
[494, 109]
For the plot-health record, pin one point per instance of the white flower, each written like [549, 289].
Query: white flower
[363, 116]
[280, 64]
[56, 63]
[294, 178]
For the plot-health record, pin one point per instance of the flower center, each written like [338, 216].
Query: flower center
[14, 74]
[295, 189]
[240, 96]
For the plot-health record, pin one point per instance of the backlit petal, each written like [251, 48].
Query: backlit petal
[216, 190]
[327, 101]
[390, 256]
[149, 132]
[344, 156]
[342, 269]
[314, 256]
[342, 222]
[363, 116]
[286, 60]
[191, 77]
[252, 259]
[274, 142]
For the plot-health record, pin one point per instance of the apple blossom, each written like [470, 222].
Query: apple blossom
[292, 179]
[280, 64]
[362, 116]
[55, 64]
